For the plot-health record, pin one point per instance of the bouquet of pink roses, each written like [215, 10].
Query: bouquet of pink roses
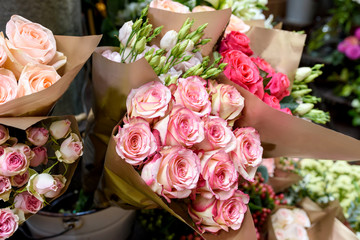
[38, 156]
[36, 67]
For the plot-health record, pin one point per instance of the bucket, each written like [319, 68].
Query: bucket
[112, 223]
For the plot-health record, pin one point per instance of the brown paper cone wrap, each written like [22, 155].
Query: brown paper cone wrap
[25, 122]
[283, 180]
[217, 22]
[123, 186]
[77, 50]
[324, 222]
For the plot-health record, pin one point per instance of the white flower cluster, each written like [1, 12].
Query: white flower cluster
[327, 180]
[248, 9]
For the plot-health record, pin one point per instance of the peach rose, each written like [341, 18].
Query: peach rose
[203, 9]
[236, 24]
[3, 55]
[36, 77]
[170, 6]
[8, 86]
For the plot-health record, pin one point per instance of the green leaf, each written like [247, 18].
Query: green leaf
[289, 102]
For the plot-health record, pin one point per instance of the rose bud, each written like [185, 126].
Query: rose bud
[135, 141]
[5, 188]
[42, 183]
[60, 129]
[247, 155]
[13, 162]
[20, 179]
[27, 202]
[70, 150]
[60, 184]
[37, 136]
[213, 215]
[40, 157]
[4, 134]
[173, 173]
[8, 222]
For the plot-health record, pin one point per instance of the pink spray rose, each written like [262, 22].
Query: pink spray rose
[20, 179]
[217, 135]
[272, 101]
[213, 215]
[8, 223]
[135, 141]
[4, 134]
[236, 41]
[70, 150]
[37, 135]
[279, 85]
[40, 157]
[148, 101]
[8, 86]
[247, 155]
[27, 202]
[173, 173]
[191, 93]
[13, 162]
[26, 150]
[227, 102]
[264, 66]
[5, 188]
[181, 127]
[60, 129]
[219, 176]
[60, 184]
[169, 5]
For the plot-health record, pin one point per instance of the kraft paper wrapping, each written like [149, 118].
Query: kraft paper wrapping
[283, 180]
[217, 22]
[25, 122]
[123, 186]
[77, 50]
[324, 221]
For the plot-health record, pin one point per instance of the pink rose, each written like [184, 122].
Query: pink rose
[8, 86]
[26, 150]
[272, 101]
[169, 5]
[27, 202]
[301, 218]
[192, 94]
[36, 77]
[264, 66]
[149, 101]
[181, 127]
[220, 179]
[217, 135]
[247, 155]
[70, 150]
[173, 173]
[40, 157]
[60, 184]
[20, 179]
[286, 110]
[213, 215]
[8, 223]
[4, 134]
[295, 231]
[226, 102]
[279, 85]
[30, 42]
[60, 129]
[236, 41]
[135, 141]
[37, 135]
[241, 70]
[3, 55]
[203, 9]
[13, 162]
[282, 218]
[42, 183]
[236, 24]
[5, 188]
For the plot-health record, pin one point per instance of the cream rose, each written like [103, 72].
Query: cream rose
[236, 24]
[8, 86]
[247, 155]
[227, 102]
[135, 141]
[60, 184]
[60, 129]
[282, 218]
[192, 94]
[173, 173]
[70, 150]
[203, 9]
[181, 127]
[36, 77]
[170, 6]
